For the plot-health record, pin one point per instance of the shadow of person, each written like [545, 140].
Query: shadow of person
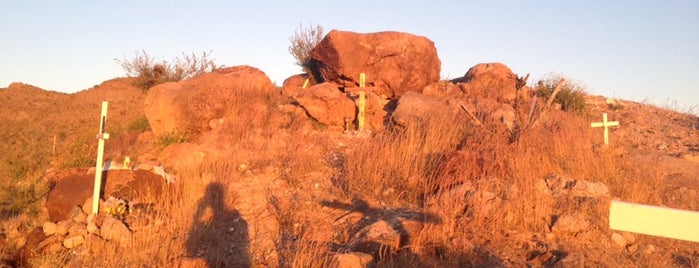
[218, 236]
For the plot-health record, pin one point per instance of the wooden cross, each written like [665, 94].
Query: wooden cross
[361, 103]
[102, 136]
[606, 124]
[657, 221]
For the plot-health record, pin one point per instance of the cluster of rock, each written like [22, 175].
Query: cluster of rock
[82, 227]
[399, 68]
[393, 63]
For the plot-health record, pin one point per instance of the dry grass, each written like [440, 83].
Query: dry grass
[401, 164]
[404, 167]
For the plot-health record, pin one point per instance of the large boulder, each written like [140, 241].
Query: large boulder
[189, 105]
[415, 107]
[490, 80]
[74, 189]
[295, 84]
[327, 104]
[395, 62]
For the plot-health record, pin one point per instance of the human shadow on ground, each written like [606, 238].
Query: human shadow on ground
[218, 236]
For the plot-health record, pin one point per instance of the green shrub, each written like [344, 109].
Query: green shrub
[571, 96]
[139, 124]
[150, 72]
[171, 138]
[82, 153]
[23, 196]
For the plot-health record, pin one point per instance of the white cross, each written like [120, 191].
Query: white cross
[606, 124]
[657, 221]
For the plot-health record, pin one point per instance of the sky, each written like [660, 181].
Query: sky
[645, 51]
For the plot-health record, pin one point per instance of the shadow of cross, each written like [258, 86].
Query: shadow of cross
[371, 215]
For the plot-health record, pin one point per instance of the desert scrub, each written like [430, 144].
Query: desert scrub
[571, 96]
[81, 153]
[150, 72]
[302, 42]
[22, 196]
[140, 124]
[172, 138]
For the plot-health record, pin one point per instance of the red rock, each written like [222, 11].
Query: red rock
[394, 61]
[188, 106]
[490, 80]
[351, 260]
[294, 85]
[416, 107]
[75, 189]
[113, 229]
[327, 104]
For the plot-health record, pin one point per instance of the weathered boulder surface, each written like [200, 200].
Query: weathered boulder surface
[395, 62]
[490, 80]
[188, 106]
[73, 190]
[295, 84]
[416, 107]
[327, 104]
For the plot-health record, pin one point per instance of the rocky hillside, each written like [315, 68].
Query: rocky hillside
[225, 169]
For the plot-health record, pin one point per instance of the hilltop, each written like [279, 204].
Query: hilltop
[473, 172]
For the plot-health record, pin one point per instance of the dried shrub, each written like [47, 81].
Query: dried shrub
[571, 96]
[302, 42]
[150, 72]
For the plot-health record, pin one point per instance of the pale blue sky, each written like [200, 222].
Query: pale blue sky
[636, 50]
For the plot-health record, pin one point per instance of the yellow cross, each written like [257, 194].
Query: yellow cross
[606, 124]
[362, 102]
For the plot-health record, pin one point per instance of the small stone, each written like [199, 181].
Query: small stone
[75, 211]
[54, 239]
[73, 241]
[113, 229]
[63, 227]
[87, 206]
[54, 248]
[632, 248]
[585, 188]
[570, 224]
[80, 217]
[90, 218]
[77, 229]
[650, 249]
[49, 228]
[630, 237]
[351, 260]
[92, 228]
[619, 240]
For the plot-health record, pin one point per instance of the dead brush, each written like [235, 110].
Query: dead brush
[397, 164]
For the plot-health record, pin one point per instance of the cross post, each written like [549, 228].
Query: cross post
[102, 136]
[361, 103]
[606, 124]
[656, 221]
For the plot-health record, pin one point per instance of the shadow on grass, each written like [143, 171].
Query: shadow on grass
[218, 236]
